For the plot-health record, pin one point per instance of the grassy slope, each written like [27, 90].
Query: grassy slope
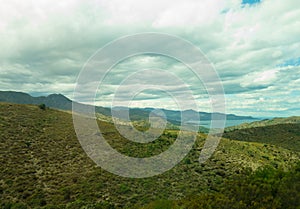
[42, 163]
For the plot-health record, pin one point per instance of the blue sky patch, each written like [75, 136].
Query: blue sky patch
[250, 2]
[291, 62]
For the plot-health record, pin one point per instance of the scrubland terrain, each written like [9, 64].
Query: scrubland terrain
[44, 166]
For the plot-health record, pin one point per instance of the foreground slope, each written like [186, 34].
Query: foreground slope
[42, 164]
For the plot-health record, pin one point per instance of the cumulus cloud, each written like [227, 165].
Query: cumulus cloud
[254, 48]
[259, 79]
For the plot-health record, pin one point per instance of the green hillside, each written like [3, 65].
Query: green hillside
[285, 135]
[44, 166]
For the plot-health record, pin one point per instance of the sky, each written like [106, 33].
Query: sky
[252, 44]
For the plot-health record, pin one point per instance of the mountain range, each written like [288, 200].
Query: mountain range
[59, 101]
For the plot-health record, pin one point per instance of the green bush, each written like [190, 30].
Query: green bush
[267, 187]
[42, 106]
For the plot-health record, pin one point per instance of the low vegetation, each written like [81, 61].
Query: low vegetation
[42, 165]
[265, 188]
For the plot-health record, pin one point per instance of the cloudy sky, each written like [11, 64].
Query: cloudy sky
[253, 45]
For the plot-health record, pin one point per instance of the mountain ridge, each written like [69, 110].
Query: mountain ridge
[59, 101]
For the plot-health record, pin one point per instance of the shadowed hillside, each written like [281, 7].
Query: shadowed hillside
[285, 135]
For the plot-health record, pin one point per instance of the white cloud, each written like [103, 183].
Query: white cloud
[45, 43]
[182, 14]
[257, 79]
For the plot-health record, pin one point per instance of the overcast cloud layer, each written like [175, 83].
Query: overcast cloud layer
[254, 48]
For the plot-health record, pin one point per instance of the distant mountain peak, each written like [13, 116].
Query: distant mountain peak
[57, 101]
[58, 96]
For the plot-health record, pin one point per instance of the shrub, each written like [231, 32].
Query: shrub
[42, 106]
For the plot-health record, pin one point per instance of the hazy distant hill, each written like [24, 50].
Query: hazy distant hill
[59, 101]
[42, 165]
[174, 116]
[266, 122]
